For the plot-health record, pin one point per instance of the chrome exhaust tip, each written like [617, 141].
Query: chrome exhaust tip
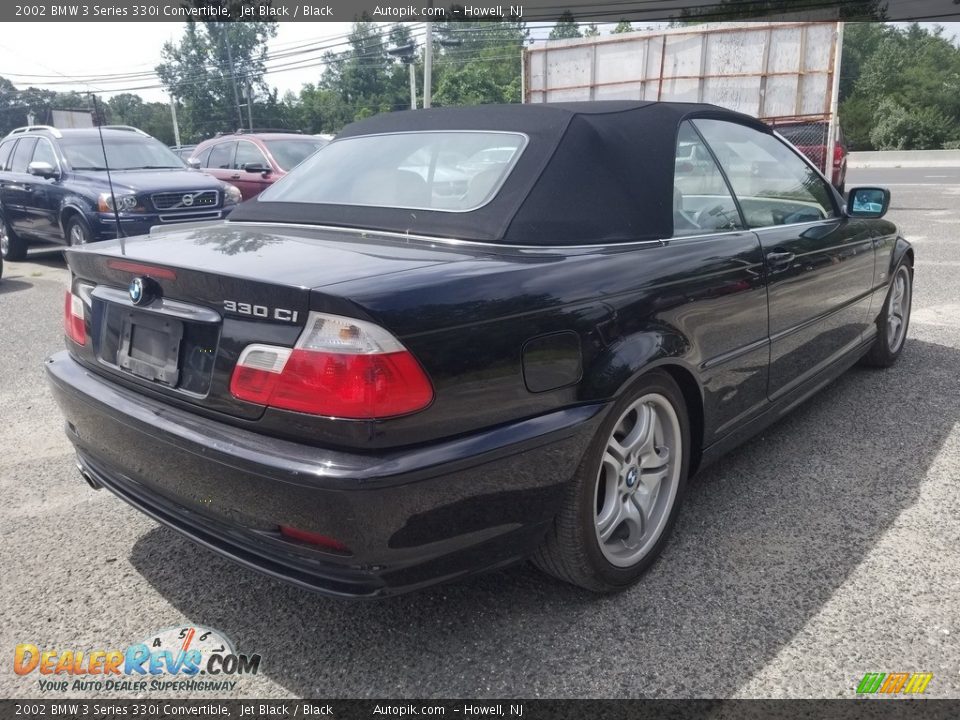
[88, 477]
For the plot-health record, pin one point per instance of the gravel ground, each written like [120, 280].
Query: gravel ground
[825, 548]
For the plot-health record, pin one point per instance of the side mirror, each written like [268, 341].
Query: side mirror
[257, 168]
[868, 202]
[193, 163]
[42, 169]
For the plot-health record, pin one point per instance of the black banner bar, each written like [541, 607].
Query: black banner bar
[420, 10]
[878, 709]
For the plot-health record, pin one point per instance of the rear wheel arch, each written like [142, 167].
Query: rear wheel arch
[693, 396]
[902, 250]
[642, 354]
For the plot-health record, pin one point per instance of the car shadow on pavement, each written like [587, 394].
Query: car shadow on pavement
[13, 284]
[766, 537]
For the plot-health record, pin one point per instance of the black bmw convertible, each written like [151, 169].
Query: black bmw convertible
[456, 338]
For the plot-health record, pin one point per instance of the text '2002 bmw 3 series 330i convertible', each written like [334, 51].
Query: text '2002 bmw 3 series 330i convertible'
[456, 338]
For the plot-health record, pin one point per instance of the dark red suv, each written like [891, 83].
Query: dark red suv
[253, 160]
[810, 138]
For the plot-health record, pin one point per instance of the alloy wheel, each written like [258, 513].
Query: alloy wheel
[638, 480]
[77, 235]
[898, 312]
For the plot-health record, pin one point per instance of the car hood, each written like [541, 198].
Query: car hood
[157, 180]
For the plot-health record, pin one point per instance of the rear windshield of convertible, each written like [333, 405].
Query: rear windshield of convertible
[452, 171]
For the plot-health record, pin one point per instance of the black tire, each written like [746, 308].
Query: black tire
[886, 348]
[12, 246]
[78, 232]
[572, 550]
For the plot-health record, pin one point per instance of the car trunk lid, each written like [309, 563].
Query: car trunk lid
[171, 313]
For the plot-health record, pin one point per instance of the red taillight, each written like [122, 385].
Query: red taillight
[73, 323]
[838, 153]
[340, 367]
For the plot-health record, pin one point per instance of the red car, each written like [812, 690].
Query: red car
[810, 138]
[253, 160]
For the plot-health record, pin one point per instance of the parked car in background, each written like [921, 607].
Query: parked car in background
[253, 160]
[54, 186]
[364, 386]
[183, 151]
[810, 138]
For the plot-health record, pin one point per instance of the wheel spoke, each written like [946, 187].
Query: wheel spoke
[610, 519]
[634, 520]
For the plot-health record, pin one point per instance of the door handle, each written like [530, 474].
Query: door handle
[235, 176]
[780, 257]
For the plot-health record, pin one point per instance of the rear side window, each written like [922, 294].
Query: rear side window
[21, 156]
[448, 171]
[5, 150]
[702, 202]
[773, 184]
[290, 153]
[221, 157]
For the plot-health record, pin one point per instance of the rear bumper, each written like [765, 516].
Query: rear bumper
[409, 518]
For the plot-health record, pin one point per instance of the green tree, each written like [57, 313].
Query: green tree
[898, 128]
[208, 71]
[566, 27]
[900, 87]
[592, 31]
[479, 62]
[623, 26]
[151, 117]
[362, 81]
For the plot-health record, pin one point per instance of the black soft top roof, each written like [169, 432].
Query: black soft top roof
[591, 172]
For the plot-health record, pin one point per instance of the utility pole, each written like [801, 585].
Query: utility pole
[428, 64]
[832, 128]
[413, 86]
[407, 55]
[233, 76]
[249, 94]
[176, 125]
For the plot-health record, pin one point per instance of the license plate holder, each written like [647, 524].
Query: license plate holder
[150, 347]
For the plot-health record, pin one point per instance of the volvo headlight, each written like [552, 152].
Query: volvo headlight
[125, 203]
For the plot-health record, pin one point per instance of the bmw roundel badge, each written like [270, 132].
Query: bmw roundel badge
[138, 291]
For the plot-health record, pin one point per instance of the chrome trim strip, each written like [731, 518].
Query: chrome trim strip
[735, 353]
[184, 217]
[445, 240]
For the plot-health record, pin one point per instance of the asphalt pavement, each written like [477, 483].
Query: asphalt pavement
[823, 549]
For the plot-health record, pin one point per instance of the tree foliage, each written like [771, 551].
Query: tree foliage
[211, 69]
[479, 62]
[566, 27]
[900, 88]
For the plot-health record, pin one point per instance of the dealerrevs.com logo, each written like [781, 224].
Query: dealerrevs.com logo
[172, 659]
[894, 683]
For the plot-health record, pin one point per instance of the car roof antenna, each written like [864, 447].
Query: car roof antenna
[106, 165]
